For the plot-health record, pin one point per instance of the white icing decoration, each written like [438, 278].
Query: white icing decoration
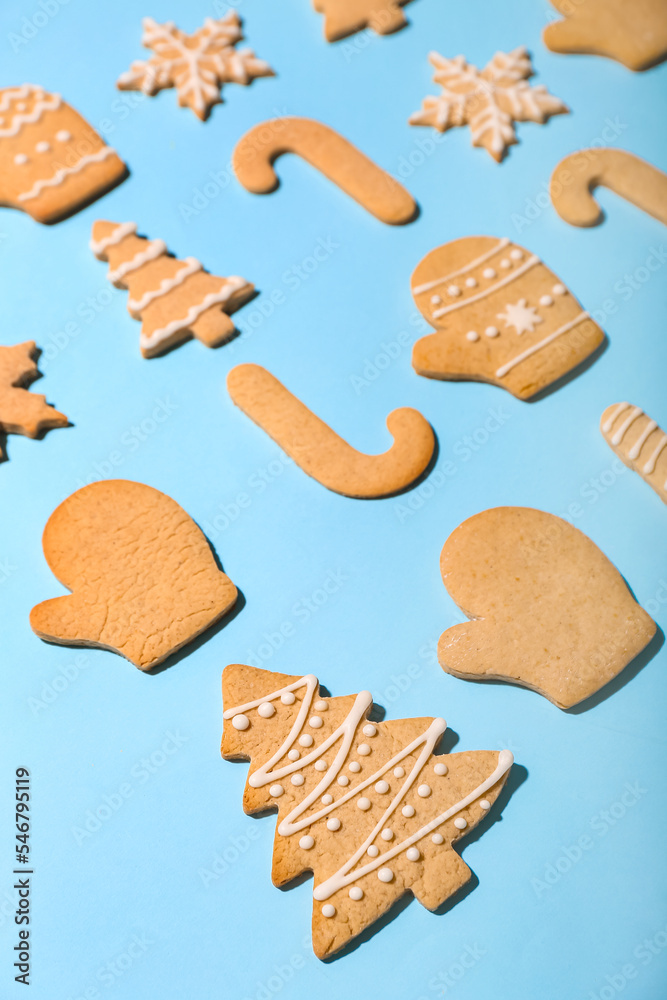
[363, 749]
[424, 791]
[64, 172]
[386, 875]
[363, 803]
[230, 285]
[408, 811]
[639, 443]
[472, 335]
[42, 146]
[328, 910]
[399, 772]
[454, 291]
[630, 419]
[504, 369]
[500, 245]
[546, 300]
[460, 823]
[306, 740]
[521, 316]
[484, 804]
[327, 799]
[154, 249]
[240, 722]
[650, 465]
[266, 710]
[492, 331]
[531, 262]
[20, 159]
[516, 254]
[369, 730]
[438, 838]
[413, 854]
[294, 754]
[387, 834]
[62, 135]
[320, 706]
[505, 263]
[297, 779]
[343, 780]
[440, 768]
[471, 282]
[489, 272]
[321, 765]
[333, 824]
[356, 893]
[119, 233]
[381, 787]
[306, 843]
[436, 300]
[354, 766]
[276, 791]
[42, 104]
[315, 722]
[373, 851]
[191, 266]
[288, 698]
[609, 422]
[559, 289]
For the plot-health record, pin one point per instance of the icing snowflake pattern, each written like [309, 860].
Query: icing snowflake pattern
[490, 101]
[522, 317]
[196, 65]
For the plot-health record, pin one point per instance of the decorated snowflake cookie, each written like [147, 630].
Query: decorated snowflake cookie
[364, 805]
[196, 65]
[490, 101]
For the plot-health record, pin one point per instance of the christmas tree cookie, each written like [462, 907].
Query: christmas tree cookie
[23, 412]
[174, 299]
[366, 806]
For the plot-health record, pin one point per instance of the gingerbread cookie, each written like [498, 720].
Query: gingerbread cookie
[502, 317]
[639, 442]
[634, 33]
[320, 452]
[52, 163]
[144, 580]
[345, 17]
[175, 299]
[365, 806]
[577, 176]
[23, 412]
[329, 153]
[490, 101]
[548, 610]
[196, 65]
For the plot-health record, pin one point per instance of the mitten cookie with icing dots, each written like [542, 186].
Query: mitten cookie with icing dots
[501, 316]
[364, 805]
[52, 163]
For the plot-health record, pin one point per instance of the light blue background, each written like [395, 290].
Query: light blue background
[141, 873]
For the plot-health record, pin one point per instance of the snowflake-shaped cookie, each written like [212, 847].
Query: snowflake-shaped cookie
[521, 316]
[489, 101]
[196, 65]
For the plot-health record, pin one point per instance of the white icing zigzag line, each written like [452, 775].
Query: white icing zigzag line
[531, 262]
[52, 102]
[64, 172]
[154, 249]
[231, 285]
[500, 245]
[192, 265]
[504, 369]
[122, 230]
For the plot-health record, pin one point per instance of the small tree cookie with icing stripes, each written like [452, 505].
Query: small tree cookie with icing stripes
[175, 299]
[364, 805]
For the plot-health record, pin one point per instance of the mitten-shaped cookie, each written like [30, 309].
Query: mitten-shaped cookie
[144, 580]
[634, 32]
[367, 807]
[502, 317]
[52, 162]
[547, 608]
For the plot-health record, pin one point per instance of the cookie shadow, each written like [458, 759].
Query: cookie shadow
[626, 675]
[206, 636]
[568, 377]
[415, 482]
[93, 197]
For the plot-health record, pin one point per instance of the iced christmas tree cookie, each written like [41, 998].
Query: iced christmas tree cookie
[366, 806]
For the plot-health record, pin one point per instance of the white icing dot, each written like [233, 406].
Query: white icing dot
[546, 300]
[369, 730]
[20, 159]
[472, 335]
[333, 824]
[356, 893]
[266, 710]
[288, 698]
[327, 799]
[387, 834]
[471, 282]
[42, 147]
[240, 722]
[460, 823]
[438, 838]
[294, 754]
[492, 331]
[373, 851]
[315, 722]
[297, 779]
[436, 300]
[412, 854]
[505, 263]
[354, 766]
[363, 749]
[320, 765]
[399, 772]
[363, 803]
[328, 910]
[386, 875]
[306, 740]
[343, 780]
[484, 804]
[276, 791]
[320, 706]
[63, 135]
[424, 791]
[306, 842]
[559, 289]
[454, 291]
[488, 272]
[440, 768]
[516, 254]
[382, 787]
[408, 811]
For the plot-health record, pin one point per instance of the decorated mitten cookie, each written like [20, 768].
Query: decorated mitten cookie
[196, 65]
[144, 580]
[501, 315]
[548, 610]
[490, 101]
[365, 806]
[23, 412]
[344, 17]
[174, 299]
[639, 442]
[52, 163]
[634, 32]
